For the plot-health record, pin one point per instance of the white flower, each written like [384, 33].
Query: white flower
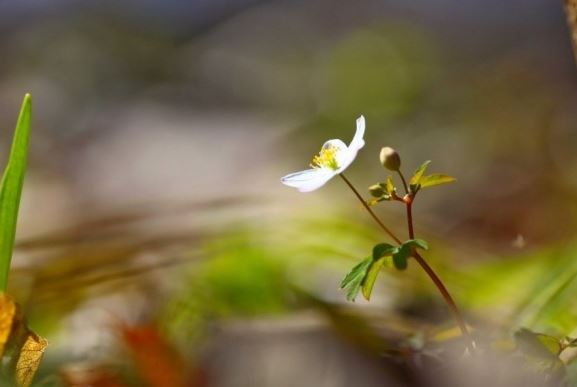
[335, 156]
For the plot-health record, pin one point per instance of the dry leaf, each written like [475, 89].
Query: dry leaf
[155, 359]
[29, 359]
[15, 335]
[7, 313]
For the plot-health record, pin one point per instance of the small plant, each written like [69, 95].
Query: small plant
[546, 355]
[21, 349]
[335, 156]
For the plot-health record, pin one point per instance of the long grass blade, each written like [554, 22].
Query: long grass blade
[11, 189]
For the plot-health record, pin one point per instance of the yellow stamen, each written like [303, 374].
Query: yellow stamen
[326, 158]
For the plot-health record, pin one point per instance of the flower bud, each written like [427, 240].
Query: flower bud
[390, 159]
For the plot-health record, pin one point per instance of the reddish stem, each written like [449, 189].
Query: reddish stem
[448, 299]
[408, 200]
[364, 203]
[409, 205]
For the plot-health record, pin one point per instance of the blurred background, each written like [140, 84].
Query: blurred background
[154, 229]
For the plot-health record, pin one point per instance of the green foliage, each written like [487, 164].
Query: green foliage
[417, 243]
[382, 191]
[435, 179]
[537, 344]
[401, 256]
[383, 249]
[241, 278]
[541, 351]
[364, 274]
[549, 297]
[11, 189]
[354, 280]
[416, 179]
[389, 186]
[376, 191]
[404, 252]
[371, 277]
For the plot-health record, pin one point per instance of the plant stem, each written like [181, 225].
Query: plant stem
[448, 299]
[364, 203]
[420, 260]
[405, 186]
[431, 273]
[408, 200]
[409, 206]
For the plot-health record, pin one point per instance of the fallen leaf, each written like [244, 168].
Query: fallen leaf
[156, 361]
[29, 358]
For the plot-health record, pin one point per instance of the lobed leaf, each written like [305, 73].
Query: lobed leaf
[401, 256]
[383, 249]
[389, 185]
[371, 277]
[435, 179]
[417, 243]
[353, 281]
[416, 179]
[404, 252]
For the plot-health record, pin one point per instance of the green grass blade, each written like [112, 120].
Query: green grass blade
[11, 189]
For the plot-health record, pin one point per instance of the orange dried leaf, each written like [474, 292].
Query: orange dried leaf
[7, 313]
[29, 358]
[155, 359]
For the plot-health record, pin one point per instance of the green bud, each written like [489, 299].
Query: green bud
[376, 190]
[390, 159]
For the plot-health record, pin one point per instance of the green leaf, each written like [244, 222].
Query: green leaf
[369, 281]
[401, 256]
[383, 249]
[416, 243]
[435, 179]
[416, 179]
[389, 185]
[400, 261]
[376, 190]
[354, 279]
[373, 202]
[537, 345]
[11, 189]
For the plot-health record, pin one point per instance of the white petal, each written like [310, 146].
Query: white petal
[308, 180]
[358, 142]
[347, 156]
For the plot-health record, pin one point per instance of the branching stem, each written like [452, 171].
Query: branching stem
[408, 200]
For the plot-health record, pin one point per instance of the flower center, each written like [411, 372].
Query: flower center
[326, 158]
